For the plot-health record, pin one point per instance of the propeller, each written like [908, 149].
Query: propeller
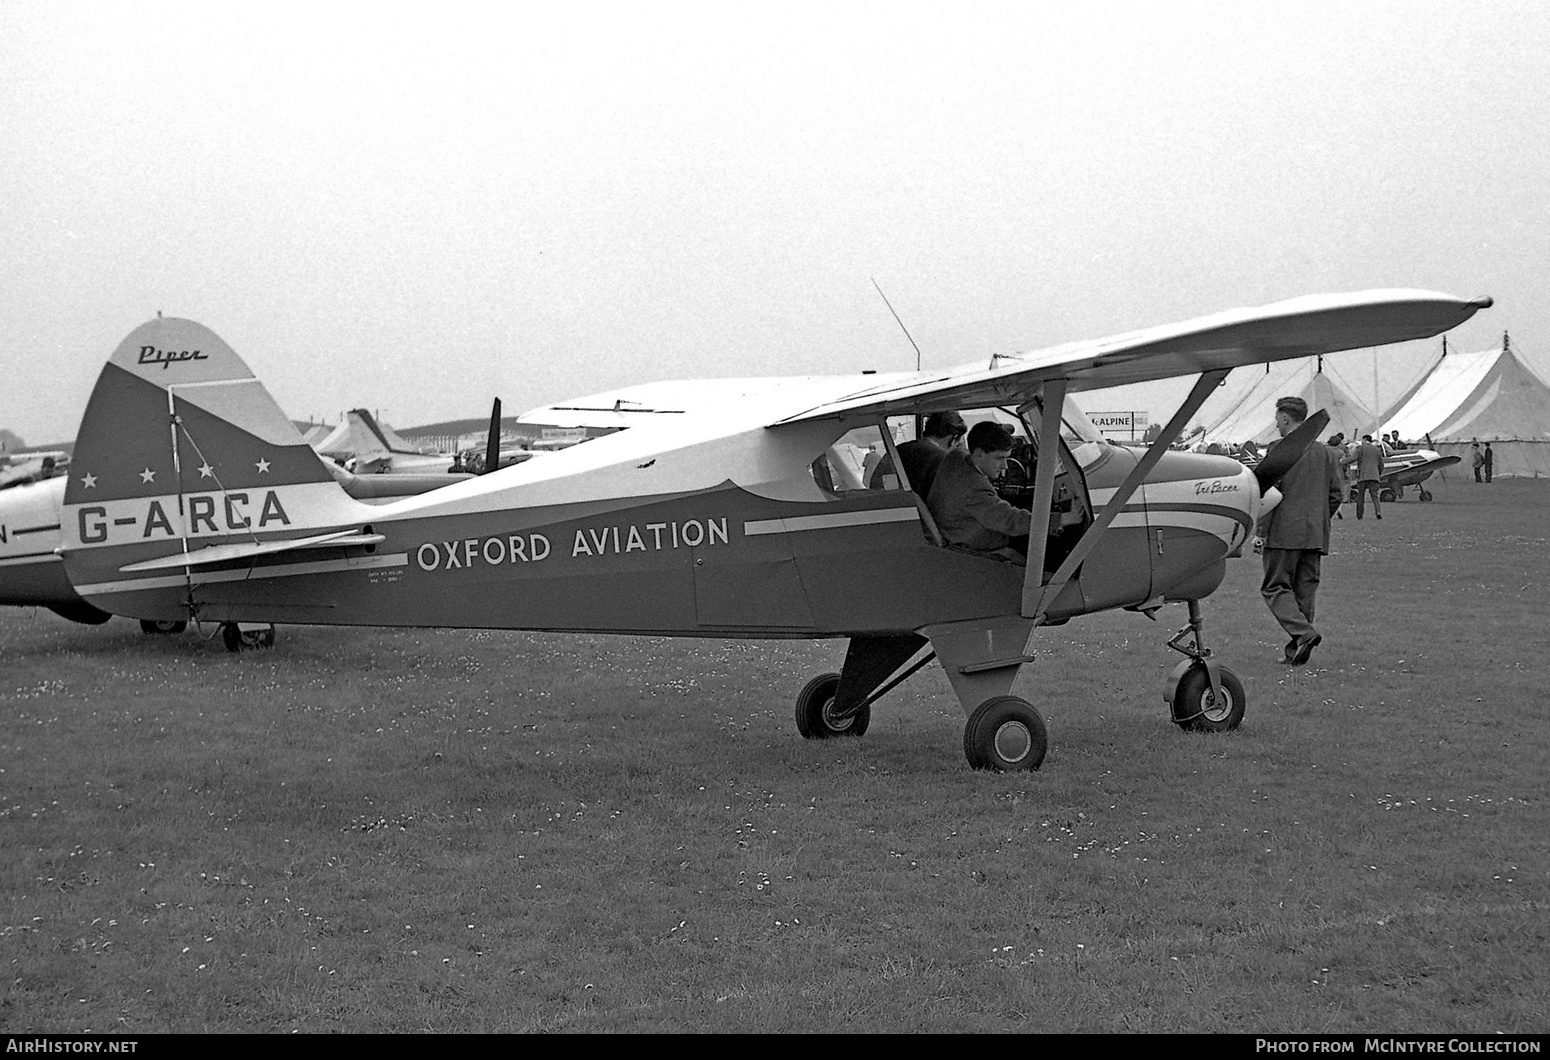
[492, 447]
[1279, 460]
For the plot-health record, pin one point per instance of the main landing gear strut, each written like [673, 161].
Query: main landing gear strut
[1003, 732]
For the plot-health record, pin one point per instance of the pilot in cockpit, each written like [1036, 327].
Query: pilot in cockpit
[968, 511]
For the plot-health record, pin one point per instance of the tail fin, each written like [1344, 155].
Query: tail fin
[175, 410]
[386, 436]
[181, 447]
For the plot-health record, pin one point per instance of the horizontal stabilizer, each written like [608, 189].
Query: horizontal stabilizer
[252, 549]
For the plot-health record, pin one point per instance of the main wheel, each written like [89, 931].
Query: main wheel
[1353, 494]
[1005, 734]
[236, 638]
[1196, 708]
[148, 625]
[1387, 495]
[816, 719]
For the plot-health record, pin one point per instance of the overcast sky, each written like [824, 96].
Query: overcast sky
[416, 208]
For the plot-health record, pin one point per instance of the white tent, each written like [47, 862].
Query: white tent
[1245, 408]
[1242, 409]
[1490, 396]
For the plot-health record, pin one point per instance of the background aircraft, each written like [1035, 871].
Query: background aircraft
[17, 469]
[1409, 468]
[368, 448]
[715, 511]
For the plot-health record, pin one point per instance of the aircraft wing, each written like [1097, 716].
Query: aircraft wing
[1299, 327]
[1412, 473]
[246, 549]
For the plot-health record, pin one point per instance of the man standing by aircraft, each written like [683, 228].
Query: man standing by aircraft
[1295, 535]
[964, 503]
[1369, 462]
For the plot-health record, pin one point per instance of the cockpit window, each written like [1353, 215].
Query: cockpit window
[861, 460]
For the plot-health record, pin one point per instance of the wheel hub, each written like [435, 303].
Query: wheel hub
[1213, 709]
[837, 722]
[1012, 741]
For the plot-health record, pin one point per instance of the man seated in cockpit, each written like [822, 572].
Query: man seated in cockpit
[922, 456]
[967, 509]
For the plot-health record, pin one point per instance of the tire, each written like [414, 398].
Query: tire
[236, 638]
[1387, 496]
[1194, 702]
[152, 626]
[1005, 734]
[1353, 493]
[1426, 496]
[815, 717]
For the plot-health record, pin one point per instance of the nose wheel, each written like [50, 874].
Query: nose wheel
[1202, 695]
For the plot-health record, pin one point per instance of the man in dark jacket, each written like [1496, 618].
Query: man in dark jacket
[1369, 462]
[1295, 535]
[923, 456]
[966, 506]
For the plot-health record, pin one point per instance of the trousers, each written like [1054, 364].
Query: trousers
[1362, 489]
[1291, 582]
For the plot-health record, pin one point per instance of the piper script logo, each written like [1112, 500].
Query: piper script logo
[167, 358]
[1216, 486]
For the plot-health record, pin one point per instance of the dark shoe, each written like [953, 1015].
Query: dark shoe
[1305, 646]
[1291, 650]
[1377, 517]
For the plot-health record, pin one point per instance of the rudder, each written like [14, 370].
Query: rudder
[181, 446]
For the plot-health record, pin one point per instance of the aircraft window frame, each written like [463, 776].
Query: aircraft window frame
[1067, 461]
[830, 469]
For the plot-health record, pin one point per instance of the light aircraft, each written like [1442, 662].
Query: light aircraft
[1409, 468]
[18, 469]
[368, 448]
[32, 572]
[715, 512]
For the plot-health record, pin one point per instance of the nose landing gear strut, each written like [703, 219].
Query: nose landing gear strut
[1203, 695]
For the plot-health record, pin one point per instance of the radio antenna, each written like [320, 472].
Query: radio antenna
[900, 322]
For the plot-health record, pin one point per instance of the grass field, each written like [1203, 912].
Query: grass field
[367, 830]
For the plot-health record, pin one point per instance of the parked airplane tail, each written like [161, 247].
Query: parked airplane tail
[184, 462]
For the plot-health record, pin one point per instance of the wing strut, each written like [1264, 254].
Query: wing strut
[1036, 597]
[1054, 399]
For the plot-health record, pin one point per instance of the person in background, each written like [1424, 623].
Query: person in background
[1476, 459]
[1368, 459]
[1294, 537]
[869, 465]
[1487, 459]
[1337, 443]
